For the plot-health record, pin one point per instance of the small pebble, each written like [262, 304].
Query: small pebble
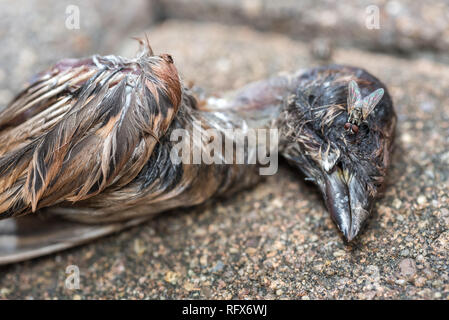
[422, 200]
[339, 253]
[397, 203]
[407, 267]
[400, 282]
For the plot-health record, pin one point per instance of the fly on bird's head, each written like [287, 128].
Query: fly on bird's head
[341, 141]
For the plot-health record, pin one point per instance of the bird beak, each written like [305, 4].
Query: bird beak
[347, 200]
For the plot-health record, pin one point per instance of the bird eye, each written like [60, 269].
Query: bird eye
[355, 128]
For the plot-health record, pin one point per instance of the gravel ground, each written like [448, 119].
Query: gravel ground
[276, 241]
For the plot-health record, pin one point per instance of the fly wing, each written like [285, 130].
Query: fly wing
[370, 102]
[354, 95]
[82, 127]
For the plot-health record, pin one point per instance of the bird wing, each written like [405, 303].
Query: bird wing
[83, 126]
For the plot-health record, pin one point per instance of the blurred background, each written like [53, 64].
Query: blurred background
[34, 34]
[275, 241]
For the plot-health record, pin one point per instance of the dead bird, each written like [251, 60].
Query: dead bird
[87, 146]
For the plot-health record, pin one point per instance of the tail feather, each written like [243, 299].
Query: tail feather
[34, 236]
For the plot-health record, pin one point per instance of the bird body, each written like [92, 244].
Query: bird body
[90, 141]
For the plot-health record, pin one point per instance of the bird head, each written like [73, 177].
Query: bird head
[347, 162]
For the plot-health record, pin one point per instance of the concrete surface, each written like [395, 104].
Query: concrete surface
[410, 27]
[36, 33]
[277, 241]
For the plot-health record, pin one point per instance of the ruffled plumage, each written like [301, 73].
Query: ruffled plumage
[84, 126]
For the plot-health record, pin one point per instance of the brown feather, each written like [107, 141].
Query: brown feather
[78, 127]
